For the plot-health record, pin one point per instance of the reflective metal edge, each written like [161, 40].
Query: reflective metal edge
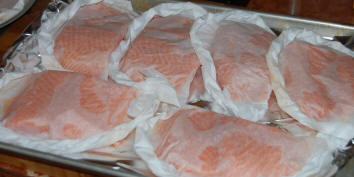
[275, 21]
[88, 167]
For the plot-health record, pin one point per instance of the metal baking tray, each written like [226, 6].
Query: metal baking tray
[277, 22]
[331, 31]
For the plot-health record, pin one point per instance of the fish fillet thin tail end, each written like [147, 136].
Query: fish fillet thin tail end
[145, 150]
[321, 163]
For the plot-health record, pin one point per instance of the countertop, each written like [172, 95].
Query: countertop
[339, 11]
[11, 32]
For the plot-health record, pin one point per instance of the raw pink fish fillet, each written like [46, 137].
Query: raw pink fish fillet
[164, 45]
[66, 105]
[197, 87]
[239, 51]
[198, 142]
[319, 80]
[85, 44]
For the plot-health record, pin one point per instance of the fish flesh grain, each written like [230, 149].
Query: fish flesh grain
[66, 105]
[199, 142]
[164, 45]
[86, 42]
[319, 79]
[238, 51]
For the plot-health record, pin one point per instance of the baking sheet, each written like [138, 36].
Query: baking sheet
[277, 22]
[332, 31]
[83, 165]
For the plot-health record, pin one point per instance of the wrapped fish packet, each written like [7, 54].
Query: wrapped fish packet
[198, 142]
[69, 113]
[81, 37]
[118, 143]
[159, 41]
[312, 79]
[232, 47]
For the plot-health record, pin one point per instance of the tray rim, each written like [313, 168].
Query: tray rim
[337, 29]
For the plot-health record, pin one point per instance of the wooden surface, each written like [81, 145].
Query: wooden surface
[18, 166]
[339, 11]
[13, 30]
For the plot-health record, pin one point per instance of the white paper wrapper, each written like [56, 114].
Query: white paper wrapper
[145, 106]
[121, 150]
[146, 151]
[317, 161]
[202, 35]
[53, 24]
[197, 89]
[9, 9]
[341, 127]
[188, 10]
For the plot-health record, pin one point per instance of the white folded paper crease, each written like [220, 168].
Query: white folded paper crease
[202, 35]
[340, 129]
[54, 22]
[188, 10]
[146, 105]
[318, 163]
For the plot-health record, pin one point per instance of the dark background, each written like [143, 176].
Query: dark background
[233, 2]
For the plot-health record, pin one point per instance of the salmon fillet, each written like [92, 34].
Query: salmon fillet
[319, 80]
[238, 51]
[66, 105]
[164, 45]
[198, 142]
[85, 43]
